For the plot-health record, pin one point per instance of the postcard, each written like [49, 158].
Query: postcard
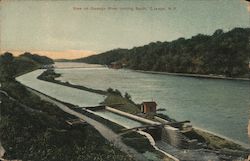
[124, 80]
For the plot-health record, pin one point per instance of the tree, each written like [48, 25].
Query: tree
[6, 58]
[117, 92]
[110, 90]
[127, 96]
[223, 53]
[7, 70]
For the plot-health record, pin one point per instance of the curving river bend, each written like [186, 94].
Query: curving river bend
[219, 106]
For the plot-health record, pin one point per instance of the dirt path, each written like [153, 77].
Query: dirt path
[103, 130]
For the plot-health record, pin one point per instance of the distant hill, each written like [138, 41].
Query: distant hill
[11, 66]
[223, 53]
[37, 58]
[62, 60]
[106, 57]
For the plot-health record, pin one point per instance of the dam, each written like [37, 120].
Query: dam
[158, 130]
[165, 137]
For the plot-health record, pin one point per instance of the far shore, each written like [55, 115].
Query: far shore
[194, 75]
[212, 76]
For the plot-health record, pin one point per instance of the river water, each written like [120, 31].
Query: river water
[60, 92]
[219, 106]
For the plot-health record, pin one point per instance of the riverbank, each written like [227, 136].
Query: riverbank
[220, 141]
[193, 75]
[214, 142]
[211, 76]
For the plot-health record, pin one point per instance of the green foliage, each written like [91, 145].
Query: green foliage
[6, 70]
[121, 103]
[117, 92]
[12, 66]
[38, 58]
[223, 53]
[127, 96]
[114, 92]
[110, 90]
[49, 75]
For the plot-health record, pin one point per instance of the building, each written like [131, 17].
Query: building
[148, 107]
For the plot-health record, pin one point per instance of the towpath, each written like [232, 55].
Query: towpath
[106, 132]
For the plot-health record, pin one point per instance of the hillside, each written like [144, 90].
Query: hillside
[106, 57]
[11, 66]
[37, 58]
[223, 53]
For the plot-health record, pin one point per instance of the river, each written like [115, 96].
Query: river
[219, 106]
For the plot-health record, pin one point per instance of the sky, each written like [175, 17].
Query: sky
[73, 29]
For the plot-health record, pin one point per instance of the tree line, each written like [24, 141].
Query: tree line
[222, 53]
[10, 66]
